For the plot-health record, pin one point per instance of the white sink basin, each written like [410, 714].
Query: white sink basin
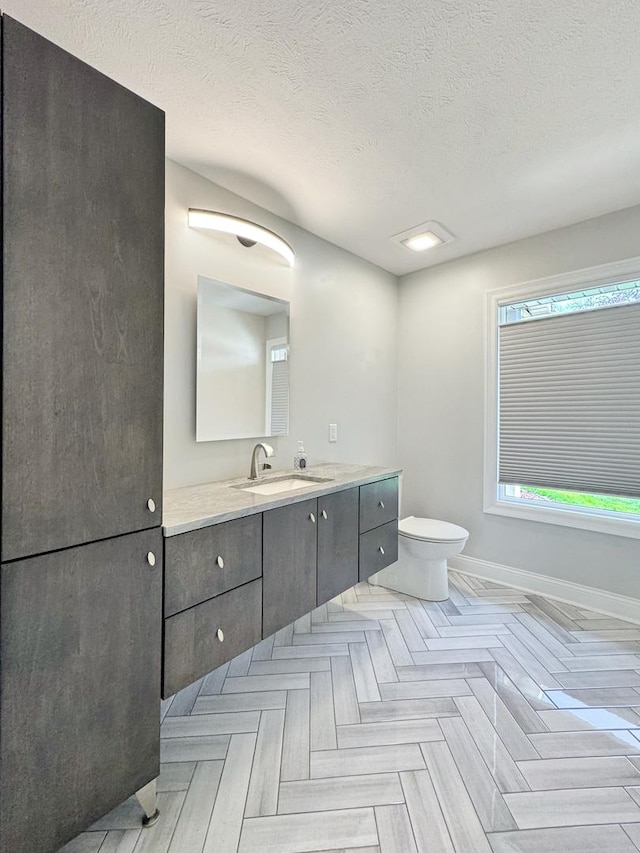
[280, 486]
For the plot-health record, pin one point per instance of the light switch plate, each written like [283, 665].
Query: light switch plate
[333, 432]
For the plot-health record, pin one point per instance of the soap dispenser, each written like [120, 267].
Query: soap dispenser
[300, 459]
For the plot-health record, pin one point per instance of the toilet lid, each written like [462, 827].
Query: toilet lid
[431, 530]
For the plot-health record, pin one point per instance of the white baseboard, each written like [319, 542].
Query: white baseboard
[608, 603]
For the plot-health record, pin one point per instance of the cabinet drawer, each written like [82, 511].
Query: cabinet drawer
[378, 503]
[378, 549]
[192, 646]
[207, 562]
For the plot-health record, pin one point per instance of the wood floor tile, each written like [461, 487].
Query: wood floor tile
[210, 724]
[226, 820]
[181, 749]
[262, 797]
[305, 833]
[594, 697]
[365, 760]
[584, 806]
[587, 719]
[429, 672]
[424, 689]
[345, 702]
[380, 734]
[191, 828]
[575, 839]
[599, 772]
[254, 683]
[278, 667]
[581, 744]
[429, 827]
[323, 721]
[265, 700]
[407, 709]
[296, 737]
[341, 792]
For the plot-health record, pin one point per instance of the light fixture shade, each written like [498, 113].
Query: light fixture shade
[422, 237]
[214, 221]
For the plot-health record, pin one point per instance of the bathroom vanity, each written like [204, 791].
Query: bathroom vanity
[238, 566]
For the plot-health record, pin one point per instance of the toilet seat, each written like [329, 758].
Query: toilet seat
[431, 530]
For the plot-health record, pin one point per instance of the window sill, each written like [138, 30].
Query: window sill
[597, 523]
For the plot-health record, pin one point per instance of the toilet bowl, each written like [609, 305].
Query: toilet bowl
[424, 544]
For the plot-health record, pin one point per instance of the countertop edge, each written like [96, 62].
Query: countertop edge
[169, 530]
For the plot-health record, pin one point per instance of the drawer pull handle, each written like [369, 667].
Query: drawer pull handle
[219, 562]
[151, 558]
[151, 505]
[220, 635]
[381, 549]
[381, 504]
[312, 517]
[324, 514]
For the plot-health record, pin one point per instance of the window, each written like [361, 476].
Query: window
[277, 387]
[563, 400]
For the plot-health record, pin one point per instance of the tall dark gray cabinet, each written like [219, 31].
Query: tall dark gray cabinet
[82, 373]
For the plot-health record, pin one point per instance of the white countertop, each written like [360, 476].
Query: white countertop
[194, 507]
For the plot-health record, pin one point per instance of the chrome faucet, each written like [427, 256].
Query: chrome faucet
[256, 467]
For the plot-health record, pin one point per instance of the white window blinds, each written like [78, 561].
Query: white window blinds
[569, 402]
[280, 397]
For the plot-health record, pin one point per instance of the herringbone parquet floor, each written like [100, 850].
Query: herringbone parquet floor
[495, 722]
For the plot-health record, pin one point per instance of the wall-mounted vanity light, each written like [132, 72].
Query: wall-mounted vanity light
[248, 233]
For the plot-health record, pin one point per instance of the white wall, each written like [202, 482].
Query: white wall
[343, 339]
[441, 402]
[231, 373]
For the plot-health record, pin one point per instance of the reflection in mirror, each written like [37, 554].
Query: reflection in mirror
[242, 376]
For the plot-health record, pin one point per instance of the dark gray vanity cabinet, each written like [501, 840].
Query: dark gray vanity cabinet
[378, 526]
[378, 503]
[378, 549]
[82, 362]
[83, 220]
[80, 663]
[208, 562]
[337, 543]
[289, 564]
[212, 598]
[204, 637]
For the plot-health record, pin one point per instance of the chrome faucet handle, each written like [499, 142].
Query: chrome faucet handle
[254, 473]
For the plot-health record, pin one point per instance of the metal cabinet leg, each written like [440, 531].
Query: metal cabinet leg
[147, 799]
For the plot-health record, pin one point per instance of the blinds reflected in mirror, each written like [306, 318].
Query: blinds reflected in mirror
[279, 403]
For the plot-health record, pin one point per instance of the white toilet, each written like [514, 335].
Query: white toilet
[423, 547]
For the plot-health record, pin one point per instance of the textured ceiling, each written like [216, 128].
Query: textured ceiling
[358, 119]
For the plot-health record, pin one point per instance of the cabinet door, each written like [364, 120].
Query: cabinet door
[289, 564]
[378, 549]
[378, 503]
[80, 681]
[83, 211]
[337, 543]
[208, 562]
[192, 644]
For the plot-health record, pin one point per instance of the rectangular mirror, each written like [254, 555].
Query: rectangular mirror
[242, 373]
